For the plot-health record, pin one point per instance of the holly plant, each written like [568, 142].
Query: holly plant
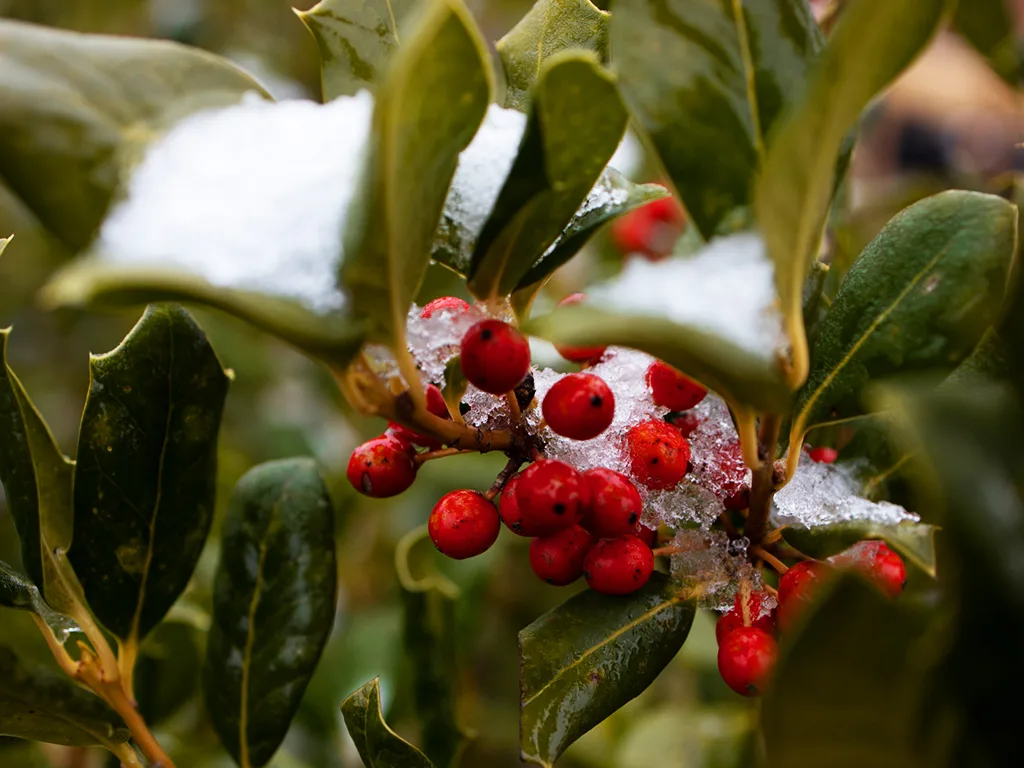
[736, 420]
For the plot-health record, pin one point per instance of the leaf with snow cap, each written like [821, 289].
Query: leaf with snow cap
[725, 333]
[427, 111]
[575, 124]
[548, 27]
[18, 592]
[356, 39]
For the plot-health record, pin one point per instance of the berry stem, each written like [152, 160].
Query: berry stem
[770, 589]
[502, 479]
[423, 458]
[762, 487]
[515, 414]
[762, 553]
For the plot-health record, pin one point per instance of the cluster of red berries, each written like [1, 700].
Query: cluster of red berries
[650, 230]
[747, 649]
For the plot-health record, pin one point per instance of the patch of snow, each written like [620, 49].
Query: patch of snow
[629, 156]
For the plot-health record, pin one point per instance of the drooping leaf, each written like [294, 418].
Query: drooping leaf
[583, 660]
[988, 25]
[430, 643]
[823, 706]
[145, 480]
[869, 47]
[42, 706]
[919, 297]
[915, 541]
[377, 744]
[18, 592]
[548, 27]
[426, 112]
[76, 107]
[356, 39]
[707, 81]
[274, 600]
[575, 123]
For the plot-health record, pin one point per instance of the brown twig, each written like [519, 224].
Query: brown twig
[762, 553]
[423, 458]
[762, 487]
[769, 589]
[502, 479]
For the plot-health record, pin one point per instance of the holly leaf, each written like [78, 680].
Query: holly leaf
[869, 47]
[273, 606]
[549, 27]
[377, 744]
[576, 122]
[145, 480]
[426, 112]
[988, 25]
[429, 636]
[39, 705]
[18, 592]
[583, 660]
[707, 81]
[919, 297]
[915, 541]
[356, 39]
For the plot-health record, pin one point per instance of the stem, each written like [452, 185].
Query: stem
[514, 411]
[60, 653]
[769, 589]
[139, 730]
[768, 557]
[423, 458]
[127, 653]
[125, 754]
[502, 479]
[667, 551]
[762, 487]
[745, 602]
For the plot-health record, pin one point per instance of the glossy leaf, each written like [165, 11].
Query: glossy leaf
[42, 706]
[576, 122]
[870, 46]
[430, 644]
[76, 107]
[914, 541]
[707, 81]
[145, 480]
[274, 601]
[548, 27]
[426, 113]
[919, 297]
[356, 38]
[169, 670]
[824, 705]
[988, 25]
[18, 592]
[583, 660]
[377, 744]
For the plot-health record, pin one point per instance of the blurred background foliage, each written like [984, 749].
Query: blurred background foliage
[949, 122]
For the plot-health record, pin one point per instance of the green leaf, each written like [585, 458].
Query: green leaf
[871, 44]
[42, 706]
[377, 744]
[989, 26]
[549, 27]
[824, 706]
[76, 107]
[4, 242]
[169, 670]
[274, 600]
[583, 660]
[430, 644]
[18, 592]
[576, 122]
[707, 80]
[145, 480]
[426, 112]
[915, 541]
[356, 39]
[919, 297]
[455, 385]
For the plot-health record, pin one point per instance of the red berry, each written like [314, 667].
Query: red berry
[764, 620]
[727, 472]
[512, 514]
[578, 354]
[451, 303]
[551, 496]
[876, 562]
[618, 566]
[495, 357]
[579, 406]
[631, 232]
[686, 423]
[672, 389]
[558, 558]
[382, 467]
[797, 588]
[648, 536]
[666, 209]
[738, 500]
[658, 455]
[745, 659]
[437, 406]
[615, 504]
[823, 455]
[463, 524]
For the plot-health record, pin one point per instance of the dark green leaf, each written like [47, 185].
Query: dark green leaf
[430, 644]
[274, 600]
[576, 122]
[169, 669]
[583, 660]
[871, 44]
[18, 592]
[915, 541]
[356, 39]
[707, 81]
[988, 363]
[42, 706]
[377, 744]
[145, 481]
[989, 26]
[826, 704]
[75, 108]
[426, 112]
[919, 297]
[548, 27]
